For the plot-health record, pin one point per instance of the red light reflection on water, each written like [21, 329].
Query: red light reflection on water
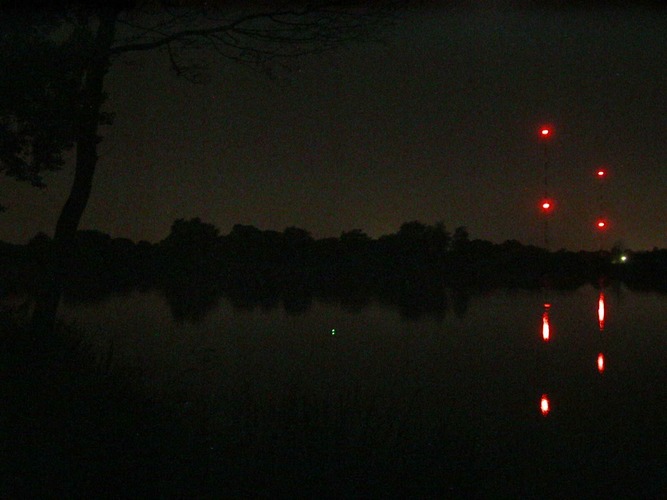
[601, 362]
[545, 406]
[601, 311]
[546, 328]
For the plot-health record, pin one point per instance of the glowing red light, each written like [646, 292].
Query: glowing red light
[601, 173]
[601, 311]
[545, 132]
[600, 362]
[547, 205]
[545, 407]
[546, 329]
[601, 224]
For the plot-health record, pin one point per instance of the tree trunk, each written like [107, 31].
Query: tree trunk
[87, 139]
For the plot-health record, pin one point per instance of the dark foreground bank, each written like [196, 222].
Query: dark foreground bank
[73, 428]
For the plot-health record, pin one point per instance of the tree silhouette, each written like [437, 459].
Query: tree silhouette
[460, 239]
[38, 98]
[55, 62]
[192, 252]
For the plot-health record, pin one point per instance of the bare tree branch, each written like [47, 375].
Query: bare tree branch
[269, 33]
[184, 35]
[254, 37]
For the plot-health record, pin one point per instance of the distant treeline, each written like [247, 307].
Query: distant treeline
[249, 265]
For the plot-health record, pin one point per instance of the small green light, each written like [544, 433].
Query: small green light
[333, 331]
[624, 258]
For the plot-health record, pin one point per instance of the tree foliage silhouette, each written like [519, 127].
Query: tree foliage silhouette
[55, 62]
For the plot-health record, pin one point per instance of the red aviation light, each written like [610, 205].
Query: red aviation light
[601, 311]
[545, 132]
[545, 406]
[547, 205]
[601, 362]
[601, 224]
[601, 173]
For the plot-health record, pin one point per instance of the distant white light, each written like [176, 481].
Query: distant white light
[624, 258]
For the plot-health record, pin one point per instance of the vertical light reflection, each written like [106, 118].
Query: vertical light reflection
[545, 406]
[601, 362]
[546, 328]
[601, 311]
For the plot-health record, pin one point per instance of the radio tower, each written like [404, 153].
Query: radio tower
[547, 207]
[601, 222]
[547, 204]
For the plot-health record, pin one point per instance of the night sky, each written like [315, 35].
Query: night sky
[438, 123]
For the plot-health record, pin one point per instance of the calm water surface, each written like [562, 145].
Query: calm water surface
[471, 403]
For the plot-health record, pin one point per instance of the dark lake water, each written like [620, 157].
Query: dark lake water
[472, 401]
